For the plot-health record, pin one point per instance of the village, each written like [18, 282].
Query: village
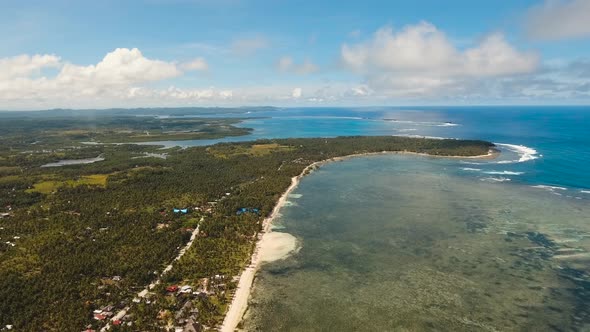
[180, 300]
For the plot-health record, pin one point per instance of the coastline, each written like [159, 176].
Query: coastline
[239, 303]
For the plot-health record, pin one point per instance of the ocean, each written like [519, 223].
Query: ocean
[551, 144]
[409, 243]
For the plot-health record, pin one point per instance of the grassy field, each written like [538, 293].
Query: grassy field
[50, 186]
[256, 150]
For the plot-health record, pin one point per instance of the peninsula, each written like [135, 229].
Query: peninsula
[90, 236]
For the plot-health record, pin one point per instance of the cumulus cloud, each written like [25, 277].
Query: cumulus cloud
[119, 75]
[287, 65]
[25, 65]
[249, 46]
[123, 79]
[420, 60]
[423, 49]
[559, 19]
[121, 67]
[197, 64]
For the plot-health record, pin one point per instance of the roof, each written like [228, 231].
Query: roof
[99, 317]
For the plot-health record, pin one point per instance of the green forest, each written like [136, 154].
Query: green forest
[80, 238]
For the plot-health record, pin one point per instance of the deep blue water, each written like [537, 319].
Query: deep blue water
[555, 140]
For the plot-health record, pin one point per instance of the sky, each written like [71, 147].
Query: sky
[174, 53]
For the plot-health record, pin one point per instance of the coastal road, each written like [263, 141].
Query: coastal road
[120, 314]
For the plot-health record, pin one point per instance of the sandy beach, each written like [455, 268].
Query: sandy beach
[273, 246]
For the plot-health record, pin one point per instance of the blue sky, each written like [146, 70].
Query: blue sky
[237, 52]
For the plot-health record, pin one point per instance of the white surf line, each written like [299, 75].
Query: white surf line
[121, 313]
[550, 188]
[525, 153]
[239, 302]
[503, 173]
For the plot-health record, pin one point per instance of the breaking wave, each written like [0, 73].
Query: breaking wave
[498, 179]
[550, 188]
[425, 123]
[504, 173]
[525, 153]
[471, 169]
[422, 136]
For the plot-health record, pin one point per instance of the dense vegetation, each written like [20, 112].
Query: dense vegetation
[64, 247]
[57, 131]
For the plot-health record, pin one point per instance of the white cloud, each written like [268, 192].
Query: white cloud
[559, 19]
[415, 65]
[25, 65]
[197, 64]
[297, 93]
[123, 78]
[249, 46]
[119, 75]
[286, 64]
[420, 60]
[361, 90]
[423, 49]
[121, 67]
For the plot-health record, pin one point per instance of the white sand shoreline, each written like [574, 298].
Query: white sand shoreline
[239, 302]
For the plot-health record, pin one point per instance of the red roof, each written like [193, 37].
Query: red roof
[116, 322]
[100, 317]
[172, 288]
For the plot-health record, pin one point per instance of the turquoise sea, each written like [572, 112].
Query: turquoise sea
[554, 141]
[407, 243]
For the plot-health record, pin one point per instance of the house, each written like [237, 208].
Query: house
[100, 317]
[186, 289]
[172, 289]
[4, 215]
[117, 278]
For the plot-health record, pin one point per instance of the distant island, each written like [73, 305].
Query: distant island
[138, 239]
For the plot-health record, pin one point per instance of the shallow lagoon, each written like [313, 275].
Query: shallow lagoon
[401, 243]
